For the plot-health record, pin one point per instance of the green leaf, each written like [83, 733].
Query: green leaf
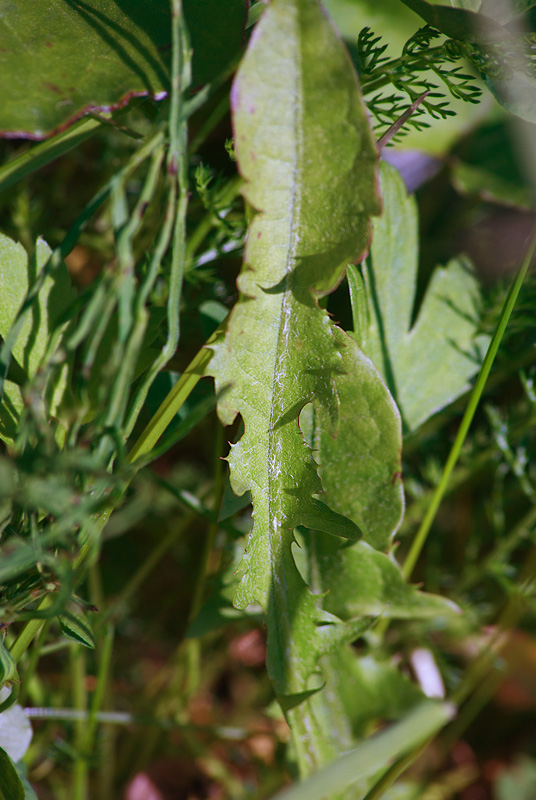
[61, 59]
[357, 693]
[17, 274]
[360, 468]
[11, 787]
[516, 92]
[364, 582]
[429, 364]
[296, 103]
[373, 755]
[370, 688]
[75, 625]
[8, 667]
[217, 35]
[395, 22]
[459, 23]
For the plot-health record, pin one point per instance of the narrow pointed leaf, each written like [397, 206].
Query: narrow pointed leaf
[8, 667]
[296, 104]
[75, 625]
[11, 787]
[373, 755]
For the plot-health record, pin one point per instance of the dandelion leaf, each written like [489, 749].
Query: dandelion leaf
[308, 160]
[360, 467]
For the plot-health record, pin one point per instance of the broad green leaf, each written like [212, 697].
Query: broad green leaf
[516, 92]
[75, 625]
[373, 755]
[296, 104]
[17, 275]
[360, 467]
[429, 364]
[61, 59]
[458, 23]
[217, 35]
[11, 787]
[364, 582]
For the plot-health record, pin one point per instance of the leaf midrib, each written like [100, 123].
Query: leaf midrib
[286, 311]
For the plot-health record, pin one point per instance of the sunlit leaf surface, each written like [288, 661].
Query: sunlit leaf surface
[60, 58]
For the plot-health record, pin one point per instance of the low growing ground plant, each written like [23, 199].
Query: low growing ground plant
[238, 357]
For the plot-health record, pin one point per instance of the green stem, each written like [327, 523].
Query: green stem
[152, 433]
[394, 772]
[79, 693]
[45, 152]
[98, 696]
[174, 400]
[29, 631]
[34, 657]
[437, 497]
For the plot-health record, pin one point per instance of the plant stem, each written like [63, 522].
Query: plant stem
[174, 400]
[79, 693]
[102, 682]
[29, 631]
[34, 657]
[43, 153]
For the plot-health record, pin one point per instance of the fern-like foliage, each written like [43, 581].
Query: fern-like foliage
[411, 75]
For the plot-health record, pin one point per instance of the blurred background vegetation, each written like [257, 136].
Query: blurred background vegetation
[196, 716]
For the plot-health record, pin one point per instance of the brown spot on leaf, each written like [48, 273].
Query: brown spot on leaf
[52, 87]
